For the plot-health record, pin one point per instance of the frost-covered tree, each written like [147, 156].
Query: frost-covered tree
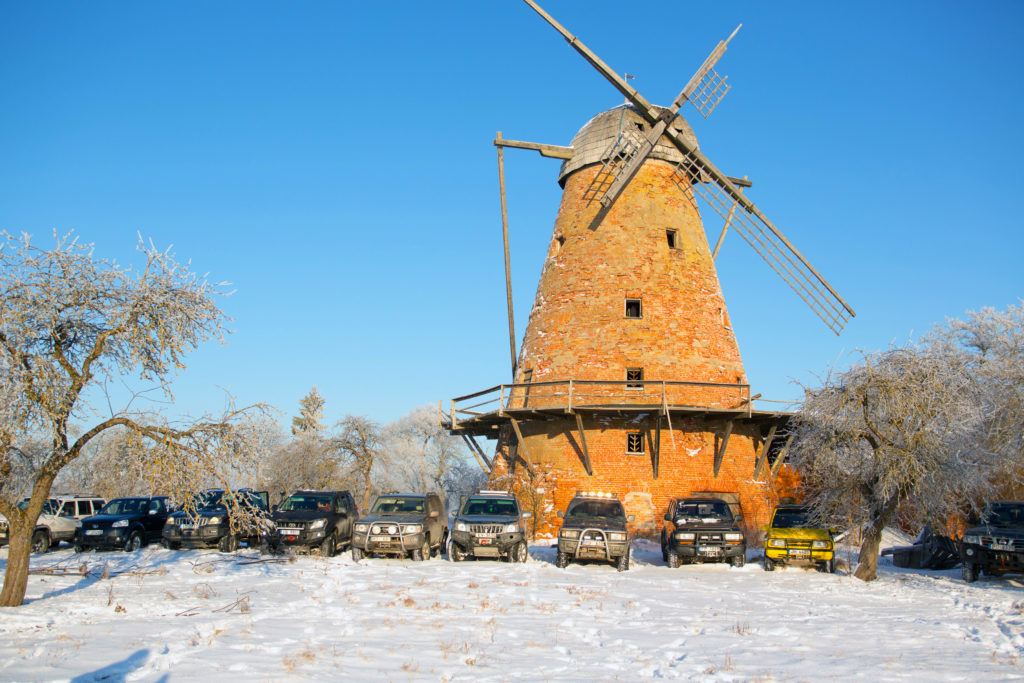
[900, 431]
[360, 449]
[311, 412]
[71, 322]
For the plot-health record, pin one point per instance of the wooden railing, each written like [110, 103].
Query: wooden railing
[573, 394]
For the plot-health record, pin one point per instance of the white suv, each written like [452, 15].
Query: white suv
[57, 521]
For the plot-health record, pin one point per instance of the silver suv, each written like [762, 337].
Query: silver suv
[58, 520]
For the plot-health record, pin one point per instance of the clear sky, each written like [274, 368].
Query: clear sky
[334, 162]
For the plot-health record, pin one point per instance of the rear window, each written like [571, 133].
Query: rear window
[490, 506]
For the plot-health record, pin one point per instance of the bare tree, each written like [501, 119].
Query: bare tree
[70, 321]
[901, 430]
[360, 447]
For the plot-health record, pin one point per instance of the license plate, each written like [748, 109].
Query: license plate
[289, 532]
[485, 541]
[485, 535]
[380, 539]
[94, 532]
[599, 544]
[799, 552]
[710, 550]
[188, 527]
[1001, 546]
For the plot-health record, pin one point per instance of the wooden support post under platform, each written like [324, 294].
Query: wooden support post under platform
[656, 453]
[508, 265]
[720, 451]
[478, 453]
[583, 443]
[762, 457]
[781, 458]
[521, 445]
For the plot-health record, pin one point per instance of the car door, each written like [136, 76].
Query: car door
[153, 522]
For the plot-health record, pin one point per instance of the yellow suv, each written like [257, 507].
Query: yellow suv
[792, 538]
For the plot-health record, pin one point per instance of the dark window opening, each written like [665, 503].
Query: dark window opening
[671, 235]
[634, 309]
[635, 443]
[634, 378]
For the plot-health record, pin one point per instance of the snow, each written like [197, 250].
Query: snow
[203, 614]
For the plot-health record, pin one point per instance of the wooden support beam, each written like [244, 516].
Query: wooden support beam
[478, 453]
[521, 442]
[777, 465]
[762, 457]
[583, 443]
[508, 263]
[722, 443]
[550, 151]
[656, 453]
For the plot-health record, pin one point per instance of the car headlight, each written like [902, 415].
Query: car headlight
[318, 524]
[511, 528]
[615, 536]
[777, 543]
[734, 537]
[362, 528]
[971, 538]
[212, 520]
[118, 524]
[569, 533]
[461, 526]
[412, 528]
[820, 544]
[78, 525]
[685, 535]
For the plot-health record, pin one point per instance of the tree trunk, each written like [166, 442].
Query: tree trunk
[16, 576]
[867, 560]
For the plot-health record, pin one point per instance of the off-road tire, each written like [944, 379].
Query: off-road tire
[40, 541]
[520, 553]
[969, 571]
[622, 562]
[561, 560]
[455, 553]
[228, 543]
[357, 554]
[423, 553]
[134, 542]
[78, 548]
[768, 565]
[171, 545]
[738, 560]
[328, 546]
[672, 558]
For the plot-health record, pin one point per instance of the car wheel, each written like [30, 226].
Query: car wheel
[79, 548]
[133, 543]
[769, 566]
[328, 546]
[455, 553]
[423, 553]
[622, 564]
[969, 571]
[522, 552]
[171, 545]
[562, 560]
[738, 560]
[672, 558]
[40, 542]
[228, 543]
[357, 554]
[830, 566]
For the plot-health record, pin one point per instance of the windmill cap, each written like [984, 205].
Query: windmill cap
[595, 139]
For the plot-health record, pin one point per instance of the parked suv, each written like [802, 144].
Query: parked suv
[57, 521]
[410, 524]
[308, 519]
[793, 538]
[209, 521]
[701, 530]
[995, 545]
[594, 528]
[489, 525]
[128, 523]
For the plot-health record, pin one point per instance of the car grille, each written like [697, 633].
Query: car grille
[709, 538]
[798, 544]
[593, 536]
[485, 528]
[384, 529]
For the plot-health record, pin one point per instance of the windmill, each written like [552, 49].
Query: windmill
[629, 340]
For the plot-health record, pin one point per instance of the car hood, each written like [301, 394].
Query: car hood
[800, 533]
[299, 515]
[97, 521]
[408, 518]
[610, 523]
[1014, 532]
[488, 519]
[207, 512]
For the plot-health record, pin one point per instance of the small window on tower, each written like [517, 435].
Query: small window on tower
[672, 237]
[634, 308]
[634, 443]
[634, 378]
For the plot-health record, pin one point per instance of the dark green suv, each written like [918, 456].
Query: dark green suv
[594, 528]
[994, 544]
[489, 525]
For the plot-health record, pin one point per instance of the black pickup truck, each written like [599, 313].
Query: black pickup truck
[312, 519]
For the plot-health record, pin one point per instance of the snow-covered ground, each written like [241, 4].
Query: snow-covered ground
[160, 615]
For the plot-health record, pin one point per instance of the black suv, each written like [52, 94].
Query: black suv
[489, 525]
[995, 545]
[209, 520]
[128, 523]
[410, 524]
[594, 528]
[702, 530]
[308, 519]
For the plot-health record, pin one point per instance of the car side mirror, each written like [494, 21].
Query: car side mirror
[630, 518]
[527, 515]
[668, 516]
[832, 530]
[152, 512]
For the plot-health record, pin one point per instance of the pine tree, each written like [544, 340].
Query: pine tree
[311, 411]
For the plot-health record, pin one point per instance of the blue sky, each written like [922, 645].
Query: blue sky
[334, 162]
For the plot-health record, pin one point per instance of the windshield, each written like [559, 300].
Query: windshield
[126, 506]
[491, 506]
[715, 510]
[595, 508]
[792, 519]
[306, 503]
[387, 504]
[49, 507]
[1006, 515]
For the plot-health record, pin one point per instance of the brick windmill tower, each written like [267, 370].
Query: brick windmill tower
[629, 378]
